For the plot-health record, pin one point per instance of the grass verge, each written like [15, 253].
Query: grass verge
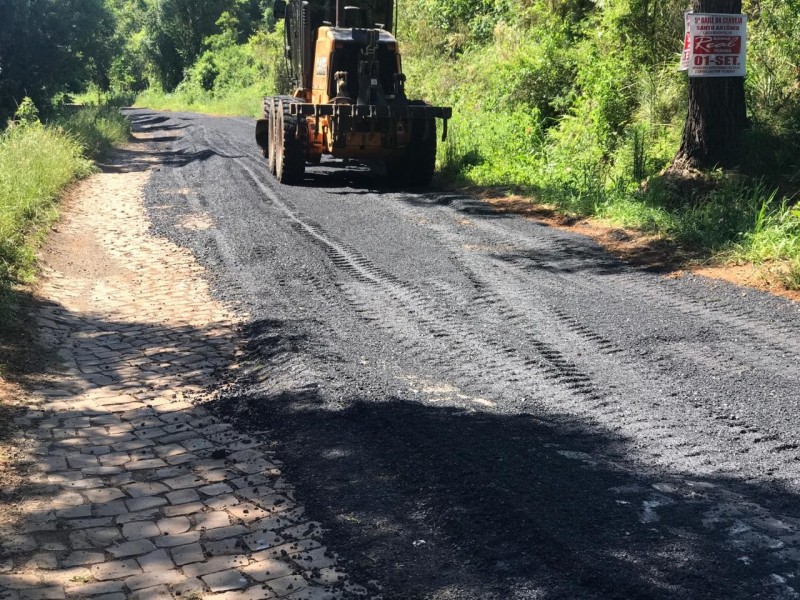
[37, 162]
[238, 102]
[717, 219]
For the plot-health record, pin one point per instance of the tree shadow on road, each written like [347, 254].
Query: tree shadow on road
[99, 395]
[130, 159]
[581, 258]
[176, 355]
[440, 502]
[437, 502]
[102, 438]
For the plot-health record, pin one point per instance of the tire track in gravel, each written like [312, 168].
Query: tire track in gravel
[528, 313]
[434, 317]
[289, 371]
[447, 325]
[628, 282]
[612, 407]
[635, 287]
[550, 361]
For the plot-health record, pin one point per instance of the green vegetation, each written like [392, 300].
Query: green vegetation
[228, 78]
[580, 105]
[48, 47]
[245, 102]
[37, 161]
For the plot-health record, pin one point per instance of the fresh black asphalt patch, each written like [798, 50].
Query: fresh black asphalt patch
[477, 406]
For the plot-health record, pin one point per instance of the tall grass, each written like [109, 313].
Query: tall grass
[37, 162]
[234, 102]
[773, 237]
[593, 158]
[95, 128]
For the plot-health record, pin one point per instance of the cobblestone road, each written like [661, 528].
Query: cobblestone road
[136, 492]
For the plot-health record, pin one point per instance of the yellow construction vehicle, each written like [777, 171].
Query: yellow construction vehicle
[349, 97]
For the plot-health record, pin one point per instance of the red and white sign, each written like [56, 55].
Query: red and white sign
[687, 42]
[717, 45]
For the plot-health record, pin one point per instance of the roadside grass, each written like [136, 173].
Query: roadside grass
[591, 138]
[774, 237]
[96, 129]
[244, 102]
[737, 221]
[93, 96]
[37, 162]
[727, 217]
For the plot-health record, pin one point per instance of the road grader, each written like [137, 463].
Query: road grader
[348, 98]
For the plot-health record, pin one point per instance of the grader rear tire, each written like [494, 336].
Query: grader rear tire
[423, 159]
[262, 129]
[290, 145]
[271, 149]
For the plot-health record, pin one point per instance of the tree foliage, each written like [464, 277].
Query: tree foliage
[52, 46]
[159, 41]
[49, 47]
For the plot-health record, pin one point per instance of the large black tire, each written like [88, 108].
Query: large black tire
[262, 129]
[416, 167]
[271, 149]
[290, 144]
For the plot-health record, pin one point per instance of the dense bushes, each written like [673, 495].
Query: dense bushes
[580, 103]
[229, 77]
[52, 46]
[157, 41]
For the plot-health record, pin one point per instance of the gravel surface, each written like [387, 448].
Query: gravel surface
[478, 406]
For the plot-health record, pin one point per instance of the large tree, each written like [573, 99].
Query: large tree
[51, 46]
[717, 112]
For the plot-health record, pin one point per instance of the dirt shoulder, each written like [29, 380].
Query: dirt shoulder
[23, 365]
[651, 252]
[10, 455]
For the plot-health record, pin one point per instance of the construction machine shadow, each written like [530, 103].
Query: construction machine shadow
[349, 97]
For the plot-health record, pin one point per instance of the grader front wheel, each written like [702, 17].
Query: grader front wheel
[272, 146]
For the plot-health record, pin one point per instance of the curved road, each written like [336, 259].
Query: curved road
[477, 406]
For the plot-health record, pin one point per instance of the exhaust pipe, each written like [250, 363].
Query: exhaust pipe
[340, 13]
[306, 46]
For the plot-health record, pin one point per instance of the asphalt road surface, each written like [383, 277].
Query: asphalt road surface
[477, 406]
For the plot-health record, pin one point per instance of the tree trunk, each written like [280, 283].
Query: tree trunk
[717, 111]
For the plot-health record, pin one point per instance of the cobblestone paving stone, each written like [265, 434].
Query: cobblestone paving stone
[137, 491]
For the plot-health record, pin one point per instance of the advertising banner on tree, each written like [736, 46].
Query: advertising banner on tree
[718, 45]
[687, 42]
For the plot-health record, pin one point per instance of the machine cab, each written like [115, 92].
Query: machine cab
[326, 37]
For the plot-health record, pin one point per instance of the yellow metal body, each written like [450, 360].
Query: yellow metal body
[321, 135]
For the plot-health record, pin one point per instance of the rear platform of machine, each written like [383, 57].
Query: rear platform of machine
[349, 97]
